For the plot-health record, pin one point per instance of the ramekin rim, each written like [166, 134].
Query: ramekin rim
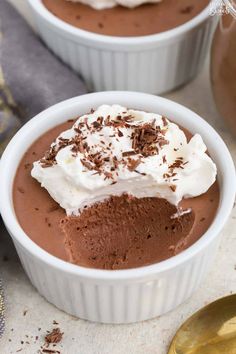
[42, 11]
[20, 236]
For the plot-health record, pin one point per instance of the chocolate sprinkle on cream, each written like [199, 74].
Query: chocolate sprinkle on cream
[146, 138]
[173, 188]
[128, 153]
[115, 151]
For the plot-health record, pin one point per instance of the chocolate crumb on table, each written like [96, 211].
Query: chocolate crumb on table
[55, 336]
[52, 338]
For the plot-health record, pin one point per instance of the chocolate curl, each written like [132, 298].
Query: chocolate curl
[31, 77]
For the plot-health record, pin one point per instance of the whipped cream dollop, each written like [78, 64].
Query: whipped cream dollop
[106, 4]
[115, 150]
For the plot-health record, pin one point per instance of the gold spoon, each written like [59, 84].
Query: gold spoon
[211, 330]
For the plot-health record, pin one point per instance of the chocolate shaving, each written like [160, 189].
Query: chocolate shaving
[100, 120]
[86, 164]
[163, 142]
[146, 138]
[177, 163]
[120, 134]
[49, 158]
[173, 188]
[140, 173]
[107, 175]
[78, 130]
[166, 175]
[86, 123]
[128, 153]
[55, 336]
[96, 124]
[133, 164]
[165, 121]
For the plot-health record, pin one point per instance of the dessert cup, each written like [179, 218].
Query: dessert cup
[154, 64]
[117, 296]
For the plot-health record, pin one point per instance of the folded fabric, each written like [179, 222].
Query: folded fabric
[31, 79]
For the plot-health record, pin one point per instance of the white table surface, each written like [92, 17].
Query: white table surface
[82, 337]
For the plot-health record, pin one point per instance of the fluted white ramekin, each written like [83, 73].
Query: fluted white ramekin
[118, 296]
[154, 64]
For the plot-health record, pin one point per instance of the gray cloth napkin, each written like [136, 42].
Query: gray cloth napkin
[31, 79]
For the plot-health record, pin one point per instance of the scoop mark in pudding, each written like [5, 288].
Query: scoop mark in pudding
[119, 245]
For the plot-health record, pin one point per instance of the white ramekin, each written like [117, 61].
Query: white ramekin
[125, 295]
[154, 64]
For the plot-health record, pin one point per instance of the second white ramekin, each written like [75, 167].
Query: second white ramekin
[154, 64]
[120, 296]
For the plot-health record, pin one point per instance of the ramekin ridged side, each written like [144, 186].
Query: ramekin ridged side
[153, 64]
[112, 301]
[121, 296]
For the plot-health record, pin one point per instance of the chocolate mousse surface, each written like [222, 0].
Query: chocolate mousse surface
[126, 232]
[120, 233]
[121, 21]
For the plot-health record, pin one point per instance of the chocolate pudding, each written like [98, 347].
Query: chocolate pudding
[121, 21]
[123, 232]
[223, 69]
[119, 232]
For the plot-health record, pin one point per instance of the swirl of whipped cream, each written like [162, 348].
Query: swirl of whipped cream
[115, 150]
[106, 4]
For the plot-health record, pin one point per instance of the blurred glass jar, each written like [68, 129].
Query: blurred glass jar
[223, 64]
